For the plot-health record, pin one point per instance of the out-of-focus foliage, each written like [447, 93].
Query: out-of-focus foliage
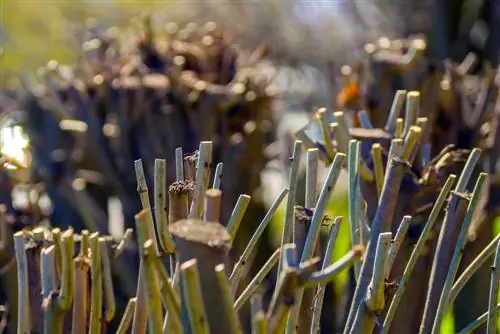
[35, 31]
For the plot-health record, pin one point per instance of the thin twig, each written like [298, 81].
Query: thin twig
[468, 272]
[153, 288]
[491, 325]
[457, 254]
[478, 322]
[238, 267]
[257, 280]
[202, 179]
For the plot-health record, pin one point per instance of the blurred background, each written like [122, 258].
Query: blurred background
[307, 42]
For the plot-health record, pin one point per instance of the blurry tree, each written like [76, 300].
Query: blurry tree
[35, 31]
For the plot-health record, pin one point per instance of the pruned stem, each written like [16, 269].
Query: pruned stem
[218, 175]
[227, 299]
[311, 177]
[178, 201]
[202, 179]
[378, 167]
[411, 111]
[79, 323]
[213, 199]
[478, 322]
[160, 202]
[96, 294]
[411, 141]
[396, 243]
[237, 215]
[321, 113]
[193, 297]
[374, 300]
[23, 324]
[399, 128]
[457, 254]
[109, 294]
[179, 165]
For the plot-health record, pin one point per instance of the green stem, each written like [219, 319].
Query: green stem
[218, 175]
[160, 202]
[411, 111]
[227, 299]
[311, 177]
[142, 189]
[109, 294]
[396, 244]
[96, 292]
[202, 178]
[237, 215]
[238, 267]
[153, 289]
[257, 280]
[473, 267]
[288, 234]
[23, 324]
[128, 315]
[352, 193]
[320, 290]
[179, 164]
[194, 298]
[396, 108]
[378, 167]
